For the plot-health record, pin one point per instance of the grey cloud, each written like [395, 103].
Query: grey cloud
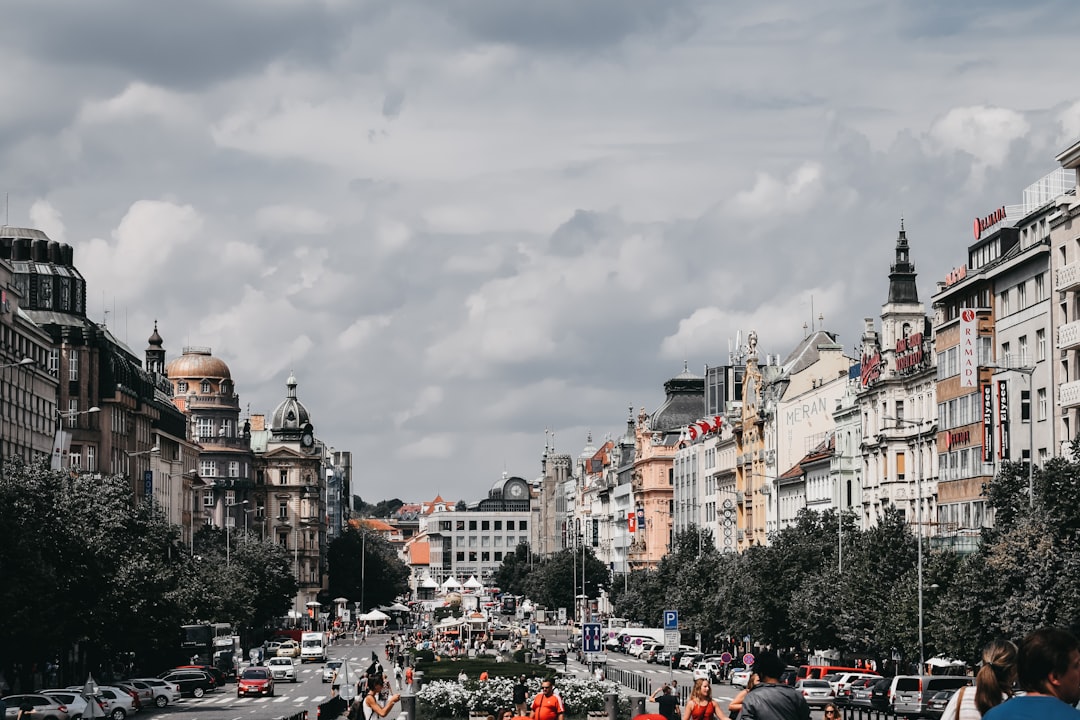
[392, 103]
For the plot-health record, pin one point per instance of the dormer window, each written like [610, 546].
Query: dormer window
[205, 387]
[181, 387]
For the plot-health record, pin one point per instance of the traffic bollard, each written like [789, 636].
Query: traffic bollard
[611, 704]
[408, 706]
[639, 706]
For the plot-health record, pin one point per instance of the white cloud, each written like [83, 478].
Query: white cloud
[439, 446]
[49, 220]
[140, 100]
[291, 219]
[363, 331]
[771, 196]
[985, 133]
[427, 399]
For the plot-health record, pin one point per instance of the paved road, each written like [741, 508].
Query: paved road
[305, 694]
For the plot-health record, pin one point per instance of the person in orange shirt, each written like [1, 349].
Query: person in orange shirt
[547, 705]
[484, 676]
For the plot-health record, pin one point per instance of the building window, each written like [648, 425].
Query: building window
[1040, 345]
[260, 509]
[485, 525]
[498, 557]
[1006, 303]
[75, 458]
[234, 468]
[485, 541]
[1021, 296]
[472, 556]
[522, 525]
[91, 458]
[208, 468]
[1041, 398]
[283, 539]
[283, 509]
[73, 366]
[181, 387]
[204, 427]
[472, 541]
[498, 524]
[444, 525]
[1005, 348]
[460, 556]
[1040, 288]
[485, 557]
[208, 498]
[205, 387]
[472, 524]
[459, 525]
[509, 524]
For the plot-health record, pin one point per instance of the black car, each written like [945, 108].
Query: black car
[880, 695]
[936, 705]
[191, 682]
[555, 656]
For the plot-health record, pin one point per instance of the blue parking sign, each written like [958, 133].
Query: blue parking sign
[671, 619]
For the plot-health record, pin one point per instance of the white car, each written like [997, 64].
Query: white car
[741, 677]
[118, 703]
[282, 668]
[330, 670]
[165, 692]
[76, 705]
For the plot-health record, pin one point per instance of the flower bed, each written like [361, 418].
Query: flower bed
[449, 698]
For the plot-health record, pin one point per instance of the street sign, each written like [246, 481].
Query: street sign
[748, 659]
[590, 638]
[671, 619]
[671, 640]
[725, 658]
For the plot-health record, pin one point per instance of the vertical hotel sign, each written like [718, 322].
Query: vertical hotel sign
[1003, 419]
[969, 349]
[988, 422]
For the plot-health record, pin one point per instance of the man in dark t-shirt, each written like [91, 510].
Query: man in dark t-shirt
[521, 692]
[668, 702]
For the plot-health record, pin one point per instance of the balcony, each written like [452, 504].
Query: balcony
[1069, 394]
[1068, 277]
[1068, 335]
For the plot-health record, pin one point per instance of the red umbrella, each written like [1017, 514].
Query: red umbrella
[649, 716]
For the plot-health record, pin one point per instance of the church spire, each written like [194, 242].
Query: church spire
[902, 288]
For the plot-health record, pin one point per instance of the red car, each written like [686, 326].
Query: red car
[255, 681]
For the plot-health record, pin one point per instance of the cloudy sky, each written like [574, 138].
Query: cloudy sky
[462, 223]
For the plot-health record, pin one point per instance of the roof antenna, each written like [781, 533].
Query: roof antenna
[7, 208]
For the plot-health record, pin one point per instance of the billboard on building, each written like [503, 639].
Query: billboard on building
[988, 422]
[969, 348]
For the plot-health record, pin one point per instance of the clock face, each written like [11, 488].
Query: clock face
[307, 440]
[516, 490]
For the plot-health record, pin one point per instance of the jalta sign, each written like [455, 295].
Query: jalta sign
[984, 224]
[871, 367]
[911, 355]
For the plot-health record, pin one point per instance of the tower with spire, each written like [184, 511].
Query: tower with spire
[896, 388]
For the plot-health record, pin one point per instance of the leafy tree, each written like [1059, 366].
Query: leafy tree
[553, 583]
[364, 568]
[510, 577]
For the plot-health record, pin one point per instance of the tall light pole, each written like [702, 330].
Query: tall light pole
[918, 522]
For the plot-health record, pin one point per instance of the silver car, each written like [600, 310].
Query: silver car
[40, 707]
[282, 668]
[165, 692]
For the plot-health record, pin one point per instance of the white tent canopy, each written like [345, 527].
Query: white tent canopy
[450, 582]
[396, 607]
[373, 616]
[428, 582]
[473, 584]
[944, 662]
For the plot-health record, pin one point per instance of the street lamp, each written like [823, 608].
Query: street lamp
[1028, 372]
[918, 522]
[58, 443]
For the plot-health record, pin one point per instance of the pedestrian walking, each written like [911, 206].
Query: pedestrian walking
[993, 684]
[771, 700]
[1048, 671]
[735, 706]
[409, 676]
[701, 705]
[520, 694]
[372, 706]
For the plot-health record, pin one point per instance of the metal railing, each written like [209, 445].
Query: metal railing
[638, 682]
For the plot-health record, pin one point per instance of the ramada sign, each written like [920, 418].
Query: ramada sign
[984, 224]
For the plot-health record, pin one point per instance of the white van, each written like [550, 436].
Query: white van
[312, 647]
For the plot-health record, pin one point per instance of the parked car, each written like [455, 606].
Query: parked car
[118, 703]
[857, 693]
[164, 691]
[329, 670]
[881, 694]
[817, 693]
[912, 693]
[688, 660]
[289, 648]
[136, 694]
[740, 676]
[76, 705]
[191, 682]
[270, 648]
[707, 669]
[42, 707]
[789, 676]
[840, 681]
[217, 673]
[255, 681]
[936, 706]
[283, 668]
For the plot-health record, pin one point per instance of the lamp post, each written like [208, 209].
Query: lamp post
[1028, 372]
[195, 482]
[918, 521]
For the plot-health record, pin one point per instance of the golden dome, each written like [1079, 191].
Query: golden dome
[197, 363]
